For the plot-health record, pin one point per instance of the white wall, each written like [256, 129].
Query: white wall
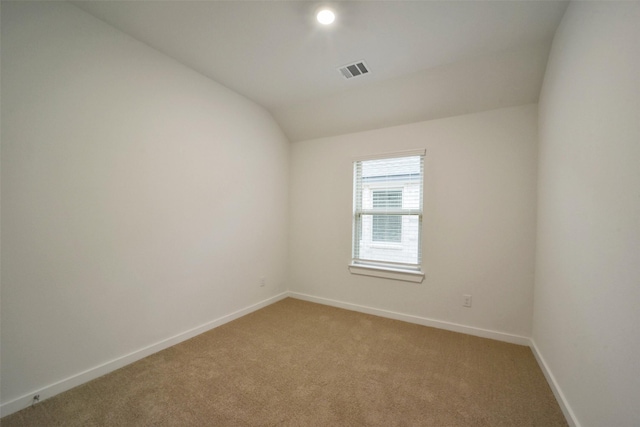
[139, 198]
[479, 219]
[587, 293]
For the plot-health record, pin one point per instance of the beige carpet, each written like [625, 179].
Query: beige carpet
[297, 363]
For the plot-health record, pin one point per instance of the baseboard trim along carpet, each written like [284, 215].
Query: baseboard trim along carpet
[424, 321]
[98, 371]
[93, 373]
[555, 388]
[454, 327]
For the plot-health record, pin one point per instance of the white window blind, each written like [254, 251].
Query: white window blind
[387, 212]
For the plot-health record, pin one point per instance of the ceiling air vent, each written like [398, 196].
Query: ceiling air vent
[354, 70]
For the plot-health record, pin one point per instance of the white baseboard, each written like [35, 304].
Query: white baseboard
[95, 372]
[469, 330]
[51, 390]
[557, 392]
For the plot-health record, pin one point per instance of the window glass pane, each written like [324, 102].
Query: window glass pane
[387, 199]
[405, 252]
[387, 228]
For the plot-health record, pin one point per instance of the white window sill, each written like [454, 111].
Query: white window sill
[387, 273]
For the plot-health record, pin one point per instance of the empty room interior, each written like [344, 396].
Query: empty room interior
[320, 213]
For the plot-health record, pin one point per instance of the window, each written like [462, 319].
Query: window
[387, 216]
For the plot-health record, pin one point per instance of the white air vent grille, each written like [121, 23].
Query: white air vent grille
[354, 70]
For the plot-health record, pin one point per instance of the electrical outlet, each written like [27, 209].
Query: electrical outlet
[263, 281]
[466, 302]
[36, 399]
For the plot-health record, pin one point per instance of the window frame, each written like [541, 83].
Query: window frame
[386, 269]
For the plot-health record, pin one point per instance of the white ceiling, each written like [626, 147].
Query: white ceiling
[428, 59]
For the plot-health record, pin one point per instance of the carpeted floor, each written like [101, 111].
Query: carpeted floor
[297, 363]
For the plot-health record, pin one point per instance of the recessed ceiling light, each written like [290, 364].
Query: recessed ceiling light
[326, 16]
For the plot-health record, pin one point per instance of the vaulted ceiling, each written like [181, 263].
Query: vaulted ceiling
[427, 59]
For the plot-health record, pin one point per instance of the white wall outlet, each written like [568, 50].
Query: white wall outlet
[466, 302]
[263, 281]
